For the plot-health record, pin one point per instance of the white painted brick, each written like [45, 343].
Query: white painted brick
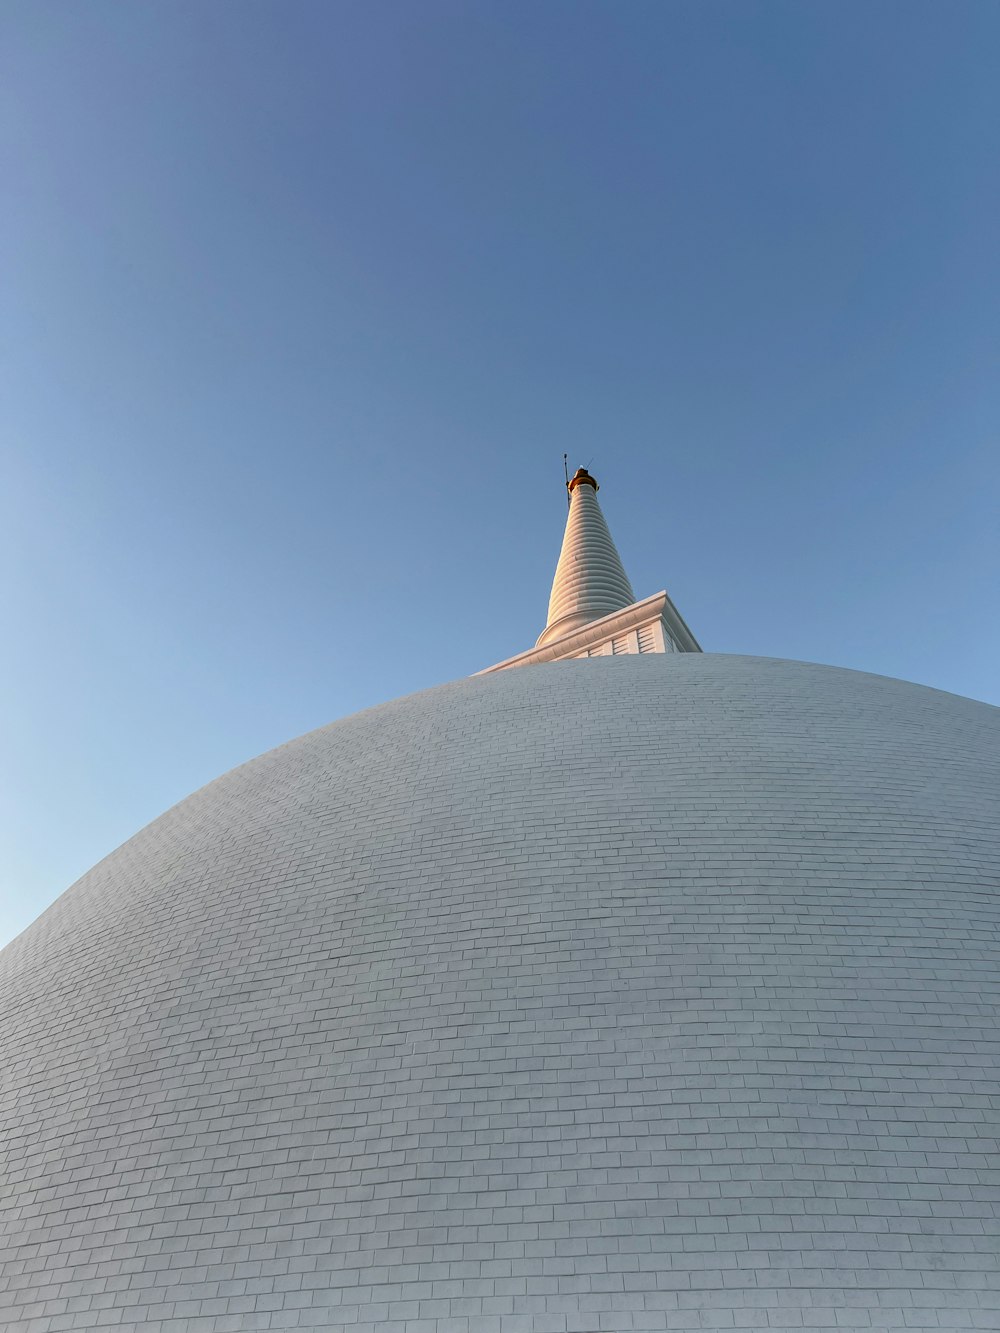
[653, 992]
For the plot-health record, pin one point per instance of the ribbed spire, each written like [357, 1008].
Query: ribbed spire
[590, 581]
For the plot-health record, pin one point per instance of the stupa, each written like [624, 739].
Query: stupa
[619, 986]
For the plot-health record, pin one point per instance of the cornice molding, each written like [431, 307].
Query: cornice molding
[659, 607]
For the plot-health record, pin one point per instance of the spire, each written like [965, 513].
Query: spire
[592, 610]
[590, 581]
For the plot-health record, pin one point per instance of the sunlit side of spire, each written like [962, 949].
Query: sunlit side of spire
[590, 581]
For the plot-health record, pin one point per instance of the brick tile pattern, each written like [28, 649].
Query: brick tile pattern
[640, 993]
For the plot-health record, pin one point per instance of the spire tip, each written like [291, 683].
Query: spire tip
[580, 476]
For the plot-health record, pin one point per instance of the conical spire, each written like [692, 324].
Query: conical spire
[590, 581]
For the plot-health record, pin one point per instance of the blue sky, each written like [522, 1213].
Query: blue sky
[303, 303]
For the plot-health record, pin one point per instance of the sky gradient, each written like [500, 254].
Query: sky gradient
[303, 303]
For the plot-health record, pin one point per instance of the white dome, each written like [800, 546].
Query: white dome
[633, 993]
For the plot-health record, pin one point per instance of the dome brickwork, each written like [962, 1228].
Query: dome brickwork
[651, 992]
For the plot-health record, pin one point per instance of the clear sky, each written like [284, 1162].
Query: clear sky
[302, 303]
